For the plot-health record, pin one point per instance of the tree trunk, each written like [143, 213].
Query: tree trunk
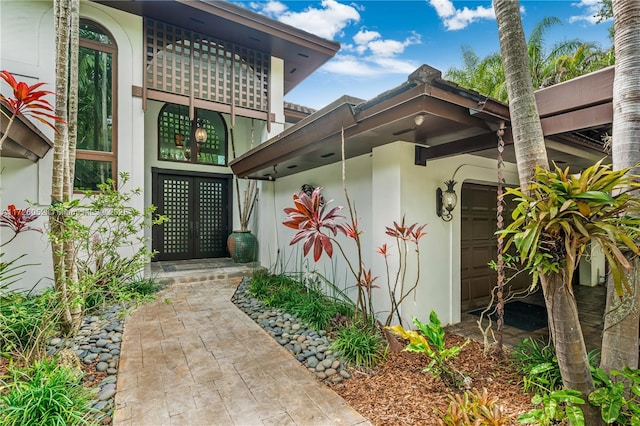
[620, 335]
[565, 329]
[65, 282]
[525, 123]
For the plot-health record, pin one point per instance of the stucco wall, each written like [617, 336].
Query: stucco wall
[385, 186]
[30, 55]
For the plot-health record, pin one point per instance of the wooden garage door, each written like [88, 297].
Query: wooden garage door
[478, 246]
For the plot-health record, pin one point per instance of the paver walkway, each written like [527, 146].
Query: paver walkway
[192, 358]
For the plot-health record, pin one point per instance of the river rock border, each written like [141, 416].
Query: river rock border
[98, 342]
[309, 346]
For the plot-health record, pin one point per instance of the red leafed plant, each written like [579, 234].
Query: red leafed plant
[317, 227]
[308, 216]
[17, 220]
[27, 100]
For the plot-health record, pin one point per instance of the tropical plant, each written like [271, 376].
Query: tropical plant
[620, 335]
[108, 253]
[44, 394]
[406, 236]
[557, 406]
[26, 322]
[473, 408]
[28, 101]
[64, 146]
[564, 60]
[429, 339]
[536, 361]
[249, 198]
[619, 400]
[359, 343]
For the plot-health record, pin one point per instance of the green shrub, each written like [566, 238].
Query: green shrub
[360, 344]
[136, 292]
[557, 407]
[619, 400]
[26, 322]
[316, 309]
[536, 361]
[44, 394]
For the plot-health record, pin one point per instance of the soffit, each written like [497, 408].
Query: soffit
[575, 115]
[302, 52]
[24, 139]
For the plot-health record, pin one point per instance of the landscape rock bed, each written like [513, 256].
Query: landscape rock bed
[309, 346]
[98, 348]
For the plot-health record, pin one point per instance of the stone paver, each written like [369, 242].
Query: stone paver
[192, 358]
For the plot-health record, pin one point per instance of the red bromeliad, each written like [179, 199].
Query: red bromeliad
[411, 233]
[309, 218]
[27, 100]
[17, 220]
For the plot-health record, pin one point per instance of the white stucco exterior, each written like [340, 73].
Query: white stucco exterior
[384, 186]
[30, 56]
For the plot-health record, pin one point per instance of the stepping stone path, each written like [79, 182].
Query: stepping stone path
[312, 348]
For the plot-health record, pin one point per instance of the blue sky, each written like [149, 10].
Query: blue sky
[383, 41]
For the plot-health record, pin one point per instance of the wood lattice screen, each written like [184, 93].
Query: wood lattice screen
[183, 62]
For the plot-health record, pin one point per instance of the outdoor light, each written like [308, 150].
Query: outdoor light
[446, 201]
[200, 134]
[418, 119]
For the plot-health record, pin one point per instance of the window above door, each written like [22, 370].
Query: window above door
[202, 140]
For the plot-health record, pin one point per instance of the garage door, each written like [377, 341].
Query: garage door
[478, 246]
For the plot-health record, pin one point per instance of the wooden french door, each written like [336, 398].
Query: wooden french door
[198, 206]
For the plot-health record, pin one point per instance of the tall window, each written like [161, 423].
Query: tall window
[97, 124]
[202, 141]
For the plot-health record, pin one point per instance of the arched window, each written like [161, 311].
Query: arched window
[201, 141]
[96, 156]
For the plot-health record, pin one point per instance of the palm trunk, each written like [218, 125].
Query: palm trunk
[620, 335]
[564, 327]
[65, 281]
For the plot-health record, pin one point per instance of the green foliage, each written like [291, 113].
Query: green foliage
[430, 340]
[316, 309]
[536, 361]
[104, 229]
[138, 291]
[26, 322]
[619, 400]
[310, 305]
[44, 394]
[557, 406]
[360, 343]
[559, 214]
[473, 408]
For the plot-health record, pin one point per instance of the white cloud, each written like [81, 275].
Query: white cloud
[370, 66]
[327, 21]
[370, 54]
[589, 9]
[457, 19]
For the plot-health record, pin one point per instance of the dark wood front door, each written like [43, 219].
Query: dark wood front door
[479, 246]
[198, 206]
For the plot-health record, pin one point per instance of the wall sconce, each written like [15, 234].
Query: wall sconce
[446, 201]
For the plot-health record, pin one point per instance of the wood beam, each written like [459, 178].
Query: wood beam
[572, 121]
[461, 146]
[590, 89]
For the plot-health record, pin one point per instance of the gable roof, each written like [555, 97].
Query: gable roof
[442, 118]
[301, 51]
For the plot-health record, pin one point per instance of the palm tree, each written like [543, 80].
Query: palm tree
[63, 253]
[620, 336]
[564, 60]
[528, 139]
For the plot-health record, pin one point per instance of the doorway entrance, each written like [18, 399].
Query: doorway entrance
[198, 206]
